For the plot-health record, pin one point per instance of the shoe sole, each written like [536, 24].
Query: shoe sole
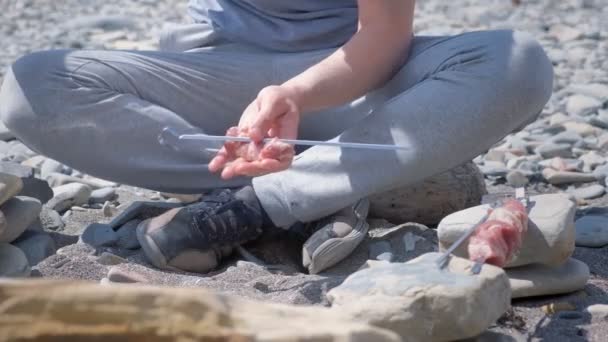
[151, 250]
[348, 243]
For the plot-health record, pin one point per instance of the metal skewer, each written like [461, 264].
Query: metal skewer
[442, 261]
[205, 137]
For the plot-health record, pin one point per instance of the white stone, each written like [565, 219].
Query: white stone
[403, 296]
[581, 105]
[542, 280]
[549, 239]
[591, 160]
[588, 192]
[68, 195]
[566, 177]
[596, 90]
[592, 231]
[20, 212]
[598, 310]
[13, 263]
[517, 179]
[565, 33]
[582, 128]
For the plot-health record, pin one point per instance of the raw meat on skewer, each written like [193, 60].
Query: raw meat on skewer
[498, 239]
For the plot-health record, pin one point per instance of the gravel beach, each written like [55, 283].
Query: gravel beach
[570, 139]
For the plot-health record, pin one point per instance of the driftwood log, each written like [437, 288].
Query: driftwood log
[38, 310]
[429, 201]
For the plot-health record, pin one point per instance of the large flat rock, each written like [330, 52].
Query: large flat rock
[421, 302]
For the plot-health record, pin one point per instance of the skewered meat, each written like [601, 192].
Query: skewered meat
[498, 239]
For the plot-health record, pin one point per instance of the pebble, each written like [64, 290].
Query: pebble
[104, 22]
[49, 167]
[110, 259]
[36, 188]
[589, 192]
[592, 231]
[550, 150]
[102, 195]
[34, 162]
[37, 246]
[581, 105]
[494, 169]
[183, 198]
[592, 160]
[58, 179]
[582, 128]
[16, 169]
[108, 209]
[567, 137]
[13, 262]
[517, 179]
[566, 177]
[117, 275]
[541, 280]
[68, 195]
[10, 185]
[19, 213]
[99, 235]
[595, 90]
[127, 235]
[598, 310]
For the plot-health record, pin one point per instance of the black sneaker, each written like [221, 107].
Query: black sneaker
[195, 238]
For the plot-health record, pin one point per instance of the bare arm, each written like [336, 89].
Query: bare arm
[365, 62]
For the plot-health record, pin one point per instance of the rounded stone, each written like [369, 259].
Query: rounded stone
[10, 185]
[20, 212]
[549, 239]
[517, 179]
[402, 296]
[13, 262]
[592, 231]
[589, 192]
[37, 246]
[68, 195]
[102, 195]
[541, 280]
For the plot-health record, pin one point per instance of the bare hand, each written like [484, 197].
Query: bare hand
[273, 114]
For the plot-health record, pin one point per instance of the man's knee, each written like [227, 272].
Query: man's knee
[27, 88]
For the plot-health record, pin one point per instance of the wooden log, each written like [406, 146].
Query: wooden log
[429, 201]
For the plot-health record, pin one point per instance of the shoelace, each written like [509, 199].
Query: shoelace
[221, 219]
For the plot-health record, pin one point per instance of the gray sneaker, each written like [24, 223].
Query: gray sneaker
[336, 237]
[195, 238]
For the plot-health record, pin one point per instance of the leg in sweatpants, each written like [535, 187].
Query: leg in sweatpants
[454, 98]
[101, 111]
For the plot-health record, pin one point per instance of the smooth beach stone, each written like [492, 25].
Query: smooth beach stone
[56, 179]
[589, 192]
[581, 105]
[517, 179]
[598, 310]
[37, 246]
[10, 185]
[110, 259]
[567, 137]
[69, 195]
[549, 239]
[16, 169]
[595, 90]
[13, 262]
[421, 302]
[98, 235]
[50, 219]
[551, 150]
[566, 177]
[50, 166]
[592, 231]
[102, 195]
[591, 160]
[19, 212]
[36, 188]
[118, 275]
[541, 280]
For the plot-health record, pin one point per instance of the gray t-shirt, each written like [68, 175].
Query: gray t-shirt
[280, 25]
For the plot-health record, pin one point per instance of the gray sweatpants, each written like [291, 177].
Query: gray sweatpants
[101, 112]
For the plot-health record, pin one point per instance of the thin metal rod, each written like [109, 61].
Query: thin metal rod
[442, 261]
[206, 137]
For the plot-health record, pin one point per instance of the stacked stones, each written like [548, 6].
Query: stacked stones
[543, 265]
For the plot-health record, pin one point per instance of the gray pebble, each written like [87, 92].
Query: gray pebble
[50, 219]
[551, 150]
[592, 231]
[589, 192]
[102, 195]
[49, 167]
[36, 246]
[517, 179]
[110, 259]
